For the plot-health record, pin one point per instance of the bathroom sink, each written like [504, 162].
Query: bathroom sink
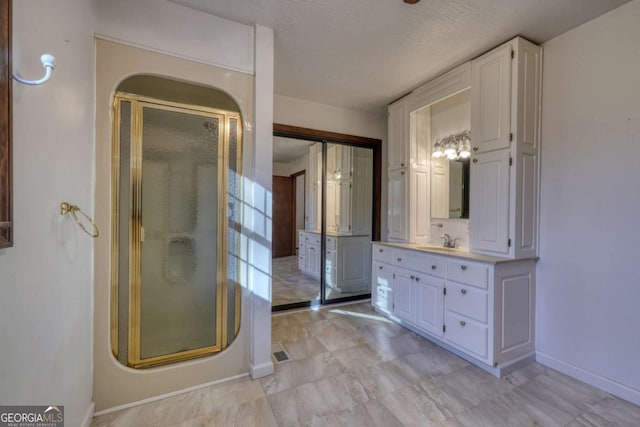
[439, 249]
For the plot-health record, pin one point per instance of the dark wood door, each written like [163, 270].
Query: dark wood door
[283, 216]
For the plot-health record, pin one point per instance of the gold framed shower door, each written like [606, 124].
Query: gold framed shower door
[226, 120]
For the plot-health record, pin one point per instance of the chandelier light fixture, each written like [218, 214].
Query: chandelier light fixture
[453, 147]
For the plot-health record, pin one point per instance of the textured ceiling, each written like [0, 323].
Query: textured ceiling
[362, 54]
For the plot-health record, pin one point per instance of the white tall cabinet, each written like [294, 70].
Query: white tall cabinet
[505, 119]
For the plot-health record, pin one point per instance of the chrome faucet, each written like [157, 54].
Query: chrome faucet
[448, 242]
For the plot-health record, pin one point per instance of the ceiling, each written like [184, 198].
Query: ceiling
[363, 54]
[286, 150]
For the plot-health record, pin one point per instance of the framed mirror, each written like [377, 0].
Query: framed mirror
[6, 221]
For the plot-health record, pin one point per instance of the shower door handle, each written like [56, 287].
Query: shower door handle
[142, 234]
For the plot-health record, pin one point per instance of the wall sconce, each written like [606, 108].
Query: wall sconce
[453, 147]
[49, 63]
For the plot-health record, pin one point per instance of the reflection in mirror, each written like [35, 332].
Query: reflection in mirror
[349, 208]
[449, 121]
[450, 188]
[297, 188]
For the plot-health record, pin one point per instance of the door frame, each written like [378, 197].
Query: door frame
[375, 145]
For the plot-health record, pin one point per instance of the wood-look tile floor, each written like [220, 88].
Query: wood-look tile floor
[352, 367]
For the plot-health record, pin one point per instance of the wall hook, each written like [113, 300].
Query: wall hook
[49, 63]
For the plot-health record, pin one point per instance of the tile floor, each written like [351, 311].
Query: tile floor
[354, 368]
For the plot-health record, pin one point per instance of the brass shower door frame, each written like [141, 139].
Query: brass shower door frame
[138, 104]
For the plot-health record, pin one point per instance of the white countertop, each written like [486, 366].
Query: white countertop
[335, 234]
[456, 253]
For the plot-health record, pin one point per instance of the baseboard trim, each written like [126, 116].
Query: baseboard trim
[86, 422]
[610, 386]
[263, 370]
[170, 394]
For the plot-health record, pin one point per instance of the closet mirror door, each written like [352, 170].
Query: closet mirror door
[348, 221]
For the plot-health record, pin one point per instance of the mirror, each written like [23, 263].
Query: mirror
[449, 123]
[450, 188]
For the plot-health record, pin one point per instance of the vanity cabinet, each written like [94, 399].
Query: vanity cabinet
[505, 116]
[314, 188]
[479, 308]
[347, 266]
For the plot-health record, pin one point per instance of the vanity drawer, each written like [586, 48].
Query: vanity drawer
[382, 253]
[467, 334]
[468, 301]
[331, 243]
[419, 261]
[468, 273]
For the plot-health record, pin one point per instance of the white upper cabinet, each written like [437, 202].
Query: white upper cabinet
[398, 135]
[505, 120]
[491, 100]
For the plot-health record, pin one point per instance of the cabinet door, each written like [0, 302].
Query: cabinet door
[491, 100]
[398, 135]
[404, 295]
[312, 188]
[345, 206]
[489, 201]
[430, 304]
[331, 269]
[398, 203]
[382, 292]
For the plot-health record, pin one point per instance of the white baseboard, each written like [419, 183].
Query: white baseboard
[620, 390]
[259, 371]
[86, 422]
[171, 394]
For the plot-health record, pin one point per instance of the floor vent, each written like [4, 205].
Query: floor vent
[279, 353]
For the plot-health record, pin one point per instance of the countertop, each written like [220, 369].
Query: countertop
[335, 234]
[455, 253]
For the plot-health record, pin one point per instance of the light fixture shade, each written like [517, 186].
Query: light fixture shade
[451, 148]
[437, 149]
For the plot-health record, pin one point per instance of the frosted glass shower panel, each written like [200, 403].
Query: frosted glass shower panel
[179, 219]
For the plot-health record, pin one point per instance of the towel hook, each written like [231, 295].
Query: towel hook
[67, 208]
[49, 63]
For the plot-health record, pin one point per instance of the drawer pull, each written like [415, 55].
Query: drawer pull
[433, 267]
[399, 259]
[380, 267]
[475, 160]
[463, 291]
[381, 250]
[401, 165]
[463, 267]
[475, 148]
[413, 277]
[462, 323]
[417, 279]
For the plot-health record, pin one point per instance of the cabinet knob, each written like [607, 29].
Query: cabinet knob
[399, 259]
[413, 277]
[475, 160]
[380, 267]
[402, 173]
[475, 148]
[463, 291]
[417, 279]
[401, 165]
[462, 323]
[381, 250]
[433, 267]
[463, 267]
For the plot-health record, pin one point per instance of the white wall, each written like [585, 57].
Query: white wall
[588, 287]
[289, 168]
[179, 31]
[298, 112]
[46, 278]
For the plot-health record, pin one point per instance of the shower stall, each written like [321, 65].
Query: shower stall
[175, 229]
